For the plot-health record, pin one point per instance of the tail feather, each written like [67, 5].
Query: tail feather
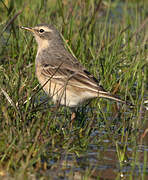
[108, 95]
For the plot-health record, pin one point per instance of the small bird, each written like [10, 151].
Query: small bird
[60, 74]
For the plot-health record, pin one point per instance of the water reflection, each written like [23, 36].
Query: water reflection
[100, 160]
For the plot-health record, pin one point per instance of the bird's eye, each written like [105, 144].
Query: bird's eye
[41, 30]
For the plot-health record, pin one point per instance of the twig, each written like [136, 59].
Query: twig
[10, 101]
[139, 28]
[11, 21]
[94, 14]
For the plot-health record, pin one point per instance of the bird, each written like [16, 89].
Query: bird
[60, 73]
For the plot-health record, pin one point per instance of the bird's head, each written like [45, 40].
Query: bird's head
[44, 34]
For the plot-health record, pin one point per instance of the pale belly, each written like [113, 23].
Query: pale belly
[67, 95]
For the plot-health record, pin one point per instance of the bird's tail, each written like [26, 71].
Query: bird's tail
[108, 95]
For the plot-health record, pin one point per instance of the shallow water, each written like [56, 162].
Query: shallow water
[99, 161]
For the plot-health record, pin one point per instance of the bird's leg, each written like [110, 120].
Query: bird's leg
[73, 116]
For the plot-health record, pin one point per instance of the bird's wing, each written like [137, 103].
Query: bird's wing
[71, 73]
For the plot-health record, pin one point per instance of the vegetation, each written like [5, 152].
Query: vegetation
[37, 139]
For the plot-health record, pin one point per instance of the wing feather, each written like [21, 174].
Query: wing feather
[71, 75]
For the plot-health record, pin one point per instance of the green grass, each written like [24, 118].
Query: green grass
[37, 139]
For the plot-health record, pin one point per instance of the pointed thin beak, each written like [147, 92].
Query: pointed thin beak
[27, 28]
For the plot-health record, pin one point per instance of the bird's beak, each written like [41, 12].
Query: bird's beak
[27, 28]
